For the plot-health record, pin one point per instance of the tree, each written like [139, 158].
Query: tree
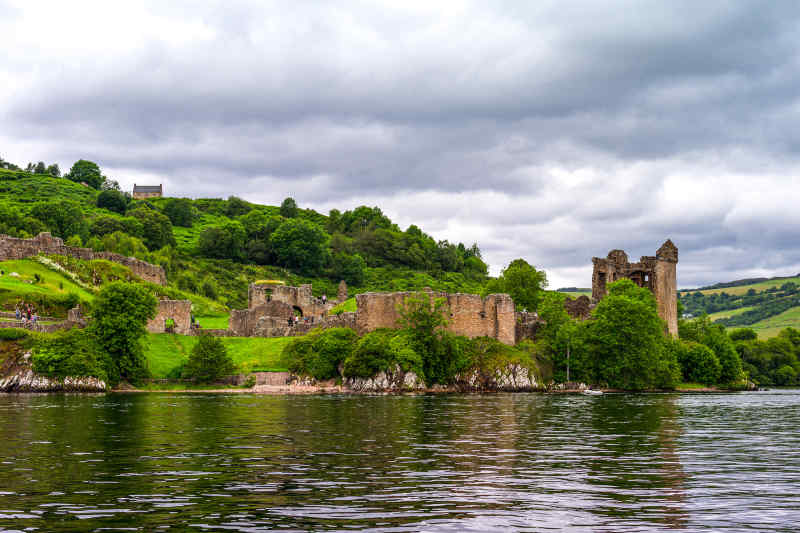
[120, 313]
[523, 282]
[223, 242]
[350, 268]
[289, 208]
[64, 218]
[705, 332]
[236, 207]
[156, 228]
[300, 244]
[113, 201]
[87, 172]
[699, 364]
[40, 168]
[209, 360]
[626, 339]
[179, 211]
[53, 170]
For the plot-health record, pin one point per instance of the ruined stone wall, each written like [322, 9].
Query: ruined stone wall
[468, 314]
[526, 325]
[44, 243]
[299, 297]
[657, 273]
[178, 310]
[580, 307]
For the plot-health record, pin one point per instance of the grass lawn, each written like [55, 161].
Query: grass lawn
[575, 294]
[213, 322]
[13, 288]
[346, 306]
[165, 352]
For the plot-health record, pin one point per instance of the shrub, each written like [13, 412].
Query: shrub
[179, 211]
[12, 334]
[113, 201]
[699, 364]
[319, 353]
[382, 350]
[209, 360]
[70, 353]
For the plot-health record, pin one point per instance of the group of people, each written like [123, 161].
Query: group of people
[26, 313]
[296, 320]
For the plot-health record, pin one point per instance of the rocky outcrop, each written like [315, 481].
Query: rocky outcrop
[20, 377]
[390, 381]
[513, 377]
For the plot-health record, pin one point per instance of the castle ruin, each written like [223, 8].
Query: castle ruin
[657, 273]
[45, 243]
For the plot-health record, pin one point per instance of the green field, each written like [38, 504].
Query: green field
[770, 327]
[575, 294]
[165, 352]
[759, 287]
[25, 287]
[728, 313]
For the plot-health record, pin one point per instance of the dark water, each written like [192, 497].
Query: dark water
[505, 462]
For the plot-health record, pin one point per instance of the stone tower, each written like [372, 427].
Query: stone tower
[659, 274]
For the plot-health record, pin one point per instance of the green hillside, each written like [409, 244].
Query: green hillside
[765, 305]
[213, 248]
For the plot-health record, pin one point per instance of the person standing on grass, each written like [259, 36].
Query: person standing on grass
[17, 312]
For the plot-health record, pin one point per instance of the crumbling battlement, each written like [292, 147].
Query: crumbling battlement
[300, 298]
[657, 273]
[580, 307]
[467, 314]
[180, 311]
[44, 243]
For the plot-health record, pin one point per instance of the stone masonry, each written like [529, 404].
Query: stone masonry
[300, 298]
[180, 311]
[468, 314]
[656, 273]
[44, 243]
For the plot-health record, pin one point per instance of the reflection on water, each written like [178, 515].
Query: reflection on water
[400, 463]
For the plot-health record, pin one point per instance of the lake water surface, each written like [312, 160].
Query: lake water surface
[505, 462]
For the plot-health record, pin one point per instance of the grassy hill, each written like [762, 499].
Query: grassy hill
[765, 305]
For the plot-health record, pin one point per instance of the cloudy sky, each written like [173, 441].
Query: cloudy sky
[548, 130]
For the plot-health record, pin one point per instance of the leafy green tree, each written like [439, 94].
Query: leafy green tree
[179, 211]
[75, 241]
[209, 360]
[523, 282]
[301, 245]
[87, 172]
[350, 268]
[113, 201]
[236, 207]
[156, 228]
[124, 244]
[626, 339]
[289, 208]
[698, 362]
[743, 334]
[119, 316]
[63, 217]
[103, 225]
[40, 168]
[53, 170]
[223, 242]
[786, 376]
[705, 332]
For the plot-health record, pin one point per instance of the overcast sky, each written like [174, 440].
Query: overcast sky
[552, 131]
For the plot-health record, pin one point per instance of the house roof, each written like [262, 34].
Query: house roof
[147, 188]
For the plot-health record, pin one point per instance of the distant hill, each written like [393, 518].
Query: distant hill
[766, 305]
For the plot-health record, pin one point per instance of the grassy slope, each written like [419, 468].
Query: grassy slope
[164, 352]
[33, 188]
[728, 313]
[13, 288]
[573, 294]
[770, 327]
[759, 287]
[348, 305]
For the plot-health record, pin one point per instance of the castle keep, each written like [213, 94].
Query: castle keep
[656, 273]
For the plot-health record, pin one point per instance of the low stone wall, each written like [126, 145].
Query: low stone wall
[179, 311]
[468, 314]
[42, 328]
[45, 243]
